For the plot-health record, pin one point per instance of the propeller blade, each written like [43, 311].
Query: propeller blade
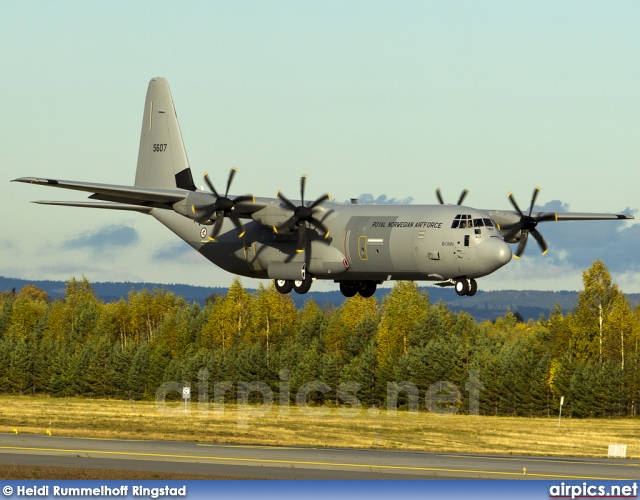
[547, 217]
[320, 226]
[209, 183]
[538, 237]
[522, 244]
[303, 184]
[243, 198]
[287, 225]
[238, 224]
[232, 174]
[534, 197]
[217, 225]
[439, 196]
[302, 238]
[515, 205]
[286, 201]
[320, 200]
[463, 195]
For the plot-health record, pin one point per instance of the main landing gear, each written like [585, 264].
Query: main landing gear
[364, 288]
[466, 286]
[298, 286]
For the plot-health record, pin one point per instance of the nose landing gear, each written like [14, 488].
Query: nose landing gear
[466, 286]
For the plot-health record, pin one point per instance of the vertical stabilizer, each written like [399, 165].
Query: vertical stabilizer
[162, 160]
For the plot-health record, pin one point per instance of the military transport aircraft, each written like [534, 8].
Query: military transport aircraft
[295, 242]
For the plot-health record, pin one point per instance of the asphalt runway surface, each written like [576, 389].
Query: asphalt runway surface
[273, 462]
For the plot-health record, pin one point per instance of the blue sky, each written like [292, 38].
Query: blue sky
[365, 97]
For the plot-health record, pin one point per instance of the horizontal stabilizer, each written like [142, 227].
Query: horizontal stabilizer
[97, 204]
[142, 194]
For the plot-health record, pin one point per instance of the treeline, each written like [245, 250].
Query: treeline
[81, 346]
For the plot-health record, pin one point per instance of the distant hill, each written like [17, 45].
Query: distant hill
[531, 304]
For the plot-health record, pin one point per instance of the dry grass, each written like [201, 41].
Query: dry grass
[425, 431]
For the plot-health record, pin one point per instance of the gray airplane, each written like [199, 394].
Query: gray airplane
[296, 242]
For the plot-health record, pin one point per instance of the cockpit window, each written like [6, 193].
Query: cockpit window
[463, 221]
[478, 223]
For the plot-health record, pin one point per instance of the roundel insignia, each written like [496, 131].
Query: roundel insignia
[203, 232]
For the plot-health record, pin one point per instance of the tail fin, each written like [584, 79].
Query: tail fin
[162, 160]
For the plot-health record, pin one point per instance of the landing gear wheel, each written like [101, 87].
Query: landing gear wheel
[367, 288]
[348, 289]
[283, 286]
[473, 287]
[462, 287]
[302, 286]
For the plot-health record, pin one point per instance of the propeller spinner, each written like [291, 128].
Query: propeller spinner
[303, 215]
[222, 207]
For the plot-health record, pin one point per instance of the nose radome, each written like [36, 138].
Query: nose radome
[492, 254]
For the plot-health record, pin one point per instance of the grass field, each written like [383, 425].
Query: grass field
[379, 429]
[14, 471]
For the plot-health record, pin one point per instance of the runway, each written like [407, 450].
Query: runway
[270, 462]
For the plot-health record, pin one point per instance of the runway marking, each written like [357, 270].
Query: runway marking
[253, 446]
[301, 462]
[545, 460]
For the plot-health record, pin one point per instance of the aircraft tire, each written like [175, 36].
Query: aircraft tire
[283, 286]
[462, 287]
[473, 287]
[302, 286]
[348, 289]
[367, 288]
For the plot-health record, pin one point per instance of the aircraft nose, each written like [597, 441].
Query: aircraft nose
[492, 254]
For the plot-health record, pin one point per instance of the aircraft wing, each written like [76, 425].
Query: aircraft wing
[508, 217]
[559, 216]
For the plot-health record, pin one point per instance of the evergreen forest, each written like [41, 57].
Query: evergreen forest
[80, 346]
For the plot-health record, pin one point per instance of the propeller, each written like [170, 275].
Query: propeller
[463, 195]
[527, 224]
[303, 215]
[222, 207]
